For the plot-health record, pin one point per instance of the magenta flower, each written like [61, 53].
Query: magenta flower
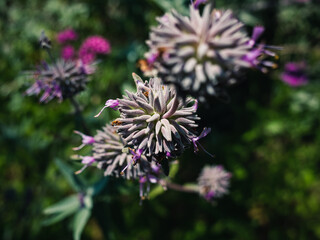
[110, 103]
[67, 52]
[91, 46]
[86, 140]
[255, 57]
[67, 35]
[295, 74]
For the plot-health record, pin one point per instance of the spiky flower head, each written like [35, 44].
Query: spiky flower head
[213, 182]
[62, 79]
[110, 153]
[155, 119]
[201, 54]
[66, 76]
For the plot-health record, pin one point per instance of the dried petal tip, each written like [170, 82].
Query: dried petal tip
[213, 182]
[110, 103]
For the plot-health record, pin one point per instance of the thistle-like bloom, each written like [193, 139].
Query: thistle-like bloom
[62, 79]
[213, 182]
[295, 74]
[201, 55]
[92, 46]
[66, 36]
[156, 120]
[113, 157]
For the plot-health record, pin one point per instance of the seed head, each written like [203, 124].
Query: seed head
[213, 182]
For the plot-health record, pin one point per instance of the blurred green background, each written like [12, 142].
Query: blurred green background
[268, 136]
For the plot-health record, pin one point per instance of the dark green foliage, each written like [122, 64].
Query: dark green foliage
[268, 136]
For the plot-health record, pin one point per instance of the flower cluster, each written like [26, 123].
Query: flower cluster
[109, 153]
[68, 75]
[213, 182]
[202, 54]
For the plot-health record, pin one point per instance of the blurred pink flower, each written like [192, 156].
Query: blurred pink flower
[91, 46]
[67, 35]
[67, 52]
[295, 74]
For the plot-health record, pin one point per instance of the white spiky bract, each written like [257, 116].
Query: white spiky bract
[112, 156]
[156, 120]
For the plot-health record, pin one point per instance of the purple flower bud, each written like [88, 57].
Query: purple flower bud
[110, 103]
[87, 161]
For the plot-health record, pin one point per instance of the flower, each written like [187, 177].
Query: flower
[67, 53]
[156, 120]
[195, 140]
[202, 54]
[91, 46]
[86, 140]
[152, 176]
[295, 74]
[113, 157]
[109, 103]
[87, 161]
[213, 182]
[67, 35]
[62, 79]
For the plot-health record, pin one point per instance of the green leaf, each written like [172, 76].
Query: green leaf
[80, 221]
[58, 217]
[66, 204]
[68, 173]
